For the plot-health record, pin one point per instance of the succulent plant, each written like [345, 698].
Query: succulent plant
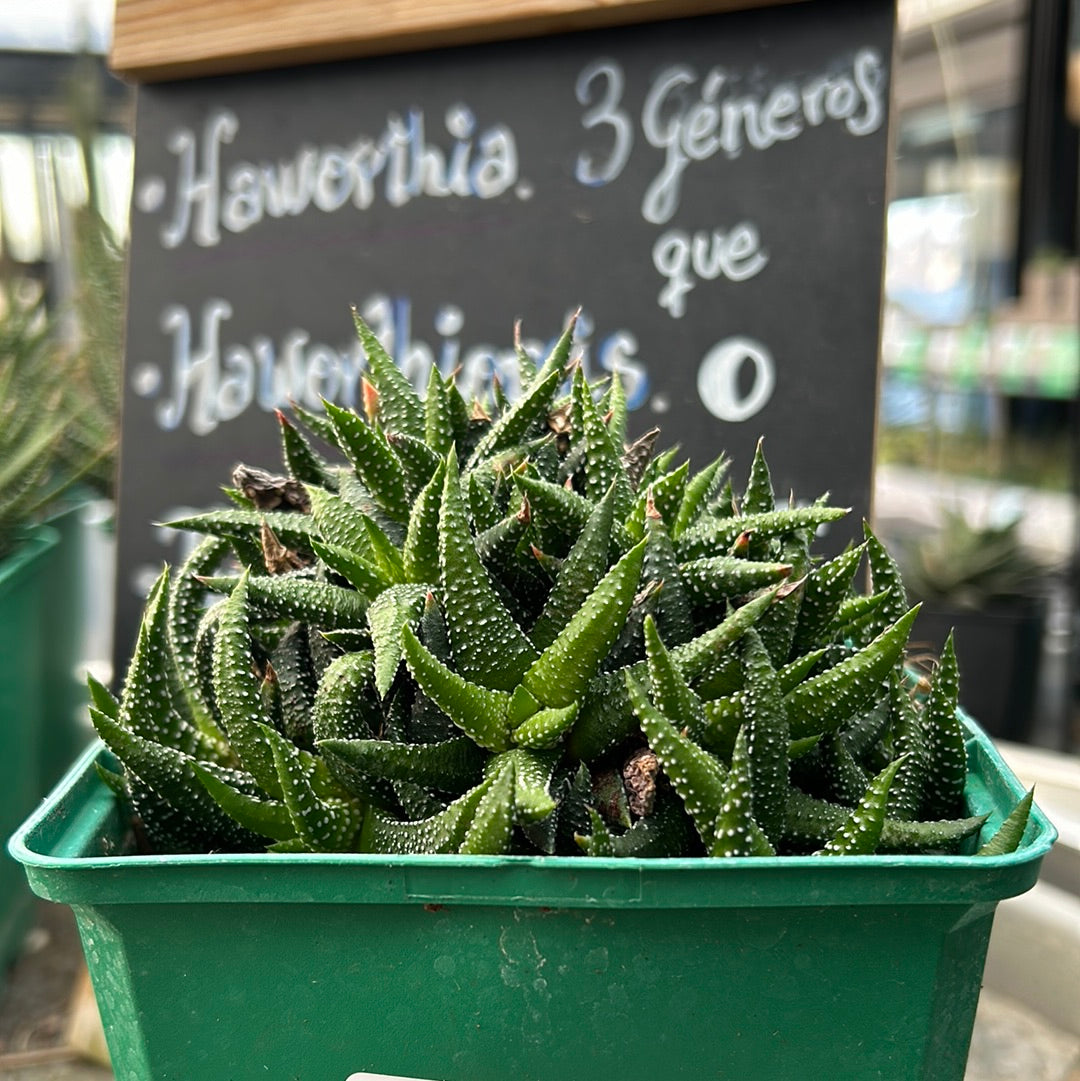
[498, 627]
[59, 399]
[971, 566]
[35, 412]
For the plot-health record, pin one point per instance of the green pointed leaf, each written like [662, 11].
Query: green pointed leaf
[559, 515]
[944, 740]
[438, 414]
[561, 673]
[339, 523]
[767, 735]
[823, 702]
[440, 833]
[674, 613]
[366, 577]
[545, 728]
[602, 465]
[452, 766]
[418, 460]
[580, 573]
[290, 527]
[345, 706]
[826, 588]
[694, 656]
[696, 495]
[670, 691]
[101, 698]
[301, 460]
[559, 357]
[481, 713]
[489, 647]
[316, 423]
[391, 611]
[483, 509]
[267, 818]
[615, 404]
[533, 772]
[529, 412]
[236, 691]
[908, 735]
[599, 842]
[665, 494]
[186, 608]
[719, 578]
[324, 825]
[489, 831]
[374, 460]
[758, 497]
[170, 774]
[385, 553]
[420, 554]
[148, 705]
[812, 822]
[736, 832]
[861, 831]
[400, 409]
[284, 597]
[885, 578]
[717, 534]
[695, 775]
[1010, 833]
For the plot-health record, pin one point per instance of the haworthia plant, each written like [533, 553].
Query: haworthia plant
[497, 627]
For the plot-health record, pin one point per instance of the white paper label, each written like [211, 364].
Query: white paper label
[362, 1076]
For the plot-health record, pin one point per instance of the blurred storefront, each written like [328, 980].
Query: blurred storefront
[64, 147]
[968, 362]
[978, 425]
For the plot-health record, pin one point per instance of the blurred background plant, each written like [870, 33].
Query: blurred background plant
[969, 565]
[58, 396]
[61, 329]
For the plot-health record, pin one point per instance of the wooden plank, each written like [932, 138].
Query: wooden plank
[156, 40]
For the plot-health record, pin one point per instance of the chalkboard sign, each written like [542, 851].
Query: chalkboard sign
[709, 190]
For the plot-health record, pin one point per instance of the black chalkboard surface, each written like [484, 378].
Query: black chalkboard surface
[709, 190]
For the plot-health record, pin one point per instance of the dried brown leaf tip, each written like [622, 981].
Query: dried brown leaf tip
[639, 773]
[370, 399]
[270, 491]
[277, 557]
[638, 455]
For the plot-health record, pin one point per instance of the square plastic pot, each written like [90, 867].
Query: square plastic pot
[66, 723]
[333, 968]
[23, 577]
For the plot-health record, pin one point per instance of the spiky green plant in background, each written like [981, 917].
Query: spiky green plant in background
[498, 628]
[59, 391]
[35, 412]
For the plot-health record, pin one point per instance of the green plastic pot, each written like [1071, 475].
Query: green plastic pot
[64, 627]
[333, 968]
[23, 578]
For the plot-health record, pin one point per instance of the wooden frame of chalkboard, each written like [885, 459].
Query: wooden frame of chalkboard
[710, 190]
[178, 39]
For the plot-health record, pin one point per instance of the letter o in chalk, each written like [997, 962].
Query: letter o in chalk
[718, 379]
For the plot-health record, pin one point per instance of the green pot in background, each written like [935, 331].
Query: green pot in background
[24, 580]
[66, 727]
[999, 648]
